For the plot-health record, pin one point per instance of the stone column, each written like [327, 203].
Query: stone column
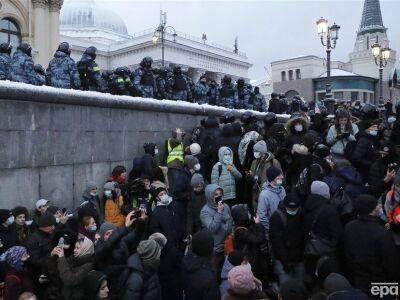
[41, 31]
[54, 36]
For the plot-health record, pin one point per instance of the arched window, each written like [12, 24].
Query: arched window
[283, 76]
[290, 74]
[10, 32]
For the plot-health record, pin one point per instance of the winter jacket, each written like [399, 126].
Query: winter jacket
[224, 286]
[225, 179]
[22, 68]
[287, 236]
[8, 237]
[179, 182]
[259, 171]
[365, 153]
[196, 203]
[377, 174]
[39, 248]
[62, 72]
[142, 284]
[73, 272]
[371, 255]
[293, 136]
[5, 66]
[231, 140]
[90, 73]
[200, 93]
[328, 223]
[17, 282]
[338, 145]
[199, 278]
[228, 96]
[164, 220]
[180, 88]
[144, 82]
[220, 224]
[347, 178]
[112, 211]
[91, 204]
[268, 202]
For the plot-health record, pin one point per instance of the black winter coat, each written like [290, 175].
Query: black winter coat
[287, 236]
[8, 237]
[377, 173]
[39, 248]
[196, 203]
[365, 153]
[200, 281]
[371, 255]
[179, 184]
[163, 220]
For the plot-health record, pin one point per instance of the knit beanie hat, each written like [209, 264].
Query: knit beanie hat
[195, 149]
[197, 180]
[241, 280]
[159, 238]
[46, 220]
[320, 188]
[261, 147]
[106, 226]
[149, 250]
[20, 210]
[191, 161]
[365, 204]
[291, 200]
[4, 215]
[109, 186]
[203, 243]
[272, 173]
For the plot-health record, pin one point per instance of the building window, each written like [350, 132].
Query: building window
[338, 95]
[367, 42]
[371, 98]
[365, 96]
[354, 96]
[298, 74]
[283, 75]
[290, 74]
[10, 32]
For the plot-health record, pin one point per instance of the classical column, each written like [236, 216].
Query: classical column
[41, 31]
[54, 12]
[196, 73]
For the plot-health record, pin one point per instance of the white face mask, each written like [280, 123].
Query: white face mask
[292, 212]
[298, 127]
[279, 182]
[227, 159]
[373, 132]
[93, 194]
[165, 200]
[57, 220]
[155, 151]
[108, 193]
[10, 220]
[391, 120]
[257, 155]
[28, 223]
[197, 167]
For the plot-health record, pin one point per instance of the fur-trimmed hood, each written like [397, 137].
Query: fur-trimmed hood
[298, 119]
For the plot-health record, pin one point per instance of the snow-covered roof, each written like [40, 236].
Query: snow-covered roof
[339, 72]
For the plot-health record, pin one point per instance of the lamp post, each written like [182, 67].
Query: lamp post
[381, 56]
[329, 36]
[160, 32]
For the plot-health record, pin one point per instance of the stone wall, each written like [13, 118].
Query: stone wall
[52, 141]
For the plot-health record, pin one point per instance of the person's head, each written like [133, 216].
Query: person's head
[192, 163]
[343, 120]
[27, 296]
[96, 286]
[146, 181]
[372, 130]
[20, 214]
[6, 217]
[109, 190]
[275, 176]
[106, 230]
[47, 222]
[225, 155]
[240, 215]
[92, 52]
[197, 183]
[195, 149]
[177, 70]
[203, 79]
[260, 149]
[226, 80]
[150, 148]
[57, 213]
[256, 90]
[5, 48]
[293, 289]
[64, 47]
[149, 252]
[366, 204]
[203, 244]
[336, 283]
[25, 48]
[387, 150]
[325, 266]
[240, 83]
[15, 257]
[42, 205]
[237, 258]
[91, 189]
[119, 174]
[159, 238]
[83, 247]
[89, 224]
[291, 203]
[320, 188]
[163, 199]
[242, 281]
[147, 62]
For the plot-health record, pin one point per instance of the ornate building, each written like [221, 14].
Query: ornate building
[356, 79]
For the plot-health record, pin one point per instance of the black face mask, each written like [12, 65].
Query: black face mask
[217, 199]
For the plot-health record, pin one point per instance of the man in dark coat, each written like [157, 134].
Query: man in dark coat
[213, 93]
[371, 254]
[180, 85]
[144, 79]
[5, 60]
[274, 104]
[22, 68]
[121, 83]
[8, 233]
[62, 71]
[228, 96]
[196, 203]
[200, 281]
[243, 95]
[89, 71]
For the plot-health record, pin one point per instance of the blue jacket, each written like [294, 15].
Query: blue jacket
[338, 145]
[62, 72]
[144, 82]
[5, 66]
[228, 96]
[268, 202]
[22, 68]
[259, 103]
[200, 93]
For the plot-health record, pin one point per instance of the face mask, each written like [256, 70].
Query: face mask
[217, 199]
[108, 193]
[197, 167]
[298, 128]
[165, 200]
[93, 228]
[93, 194]
[57, 220]
[10, 220]
[279, 182]
[373, 133]
[28, 223]
[155, 151]
[293, 212]
[257, 155]
[227, 159]
[391, 120]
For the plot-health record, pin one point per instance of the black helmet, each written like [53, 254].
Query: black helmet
[91, 51]
[5, 48]
[321, 150]
[26, 48]
[256, 89]
[228, 118]
[369, 112]
[227, 79]
[270, 118]
[177, 70]
[240, 82]
[282, 96]
[64, 47]
[146, 62]
[39, 69]
[127, 71]
[274, 95]
[248, 117]
[106, 74]
[120, 71]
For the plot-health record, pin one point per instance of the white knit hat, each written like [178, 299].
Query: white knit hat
[195, 149]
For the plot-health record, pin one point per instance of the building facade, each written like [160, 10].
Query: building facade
[356, 79]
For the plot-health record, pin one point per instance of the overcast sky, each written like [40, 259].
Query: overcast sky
[267, 30]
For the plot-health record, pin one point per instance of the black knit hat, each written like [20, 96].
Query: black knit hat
[203, 243]
[272, 173]
[4, 215]
[159, 190]
[93, 282]
[46, 220]
[291, 200]
[365, 204]
[20, 210]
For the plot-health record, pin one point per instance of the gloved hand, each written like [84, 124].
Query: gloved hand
[229, 168]
[345, 135]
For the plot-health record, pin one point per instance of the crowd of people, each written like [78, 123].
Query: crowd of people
[237, 209]
[145, 81]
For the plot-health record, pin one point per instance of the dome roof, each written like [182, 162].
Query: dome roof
[86, 13]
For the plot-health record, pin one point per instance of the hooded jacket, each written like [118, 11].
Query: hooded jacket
[268, 202]
[91, 204]
[338, 145]
[226, 180]
[349, 179]
[22, 68]
[295, 137]
[220, 224]
[62, 72]
[259, 169]
[364, 153]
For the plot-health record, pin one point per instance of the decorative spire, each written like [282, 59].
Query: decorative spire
[371, 20]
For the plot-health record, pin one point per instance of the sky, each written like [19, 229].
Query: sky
[266, 30]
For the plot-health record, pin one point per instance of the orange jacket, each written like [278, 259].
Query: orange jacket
[392, 214]
[112, 211]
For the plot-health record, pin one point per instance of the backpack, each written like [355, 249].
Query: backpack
[228, 244]
[342, 202]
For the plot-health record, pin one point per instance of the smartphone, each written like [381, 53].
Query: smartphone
[61, 242]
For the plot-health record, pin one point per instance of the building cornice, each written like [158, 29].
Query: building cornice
[55, 5]
[40, 3]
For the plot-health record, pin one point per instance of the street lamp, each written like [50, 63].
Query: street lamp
[329, 36]
[160, 32]
[381, 56]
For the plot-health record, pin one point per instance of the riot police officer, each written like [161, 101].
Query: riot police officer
[89, 71]
[144, 80]
[5, 60]
[180, 85]
[227, 93]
